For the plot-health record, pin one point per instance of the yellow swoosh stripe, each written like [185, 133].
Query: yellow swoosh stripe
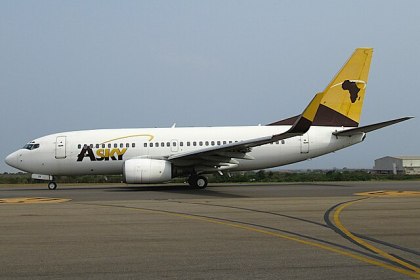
[130, 136]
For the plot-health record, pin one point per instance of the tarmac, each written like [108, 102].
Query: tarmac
[351, 230]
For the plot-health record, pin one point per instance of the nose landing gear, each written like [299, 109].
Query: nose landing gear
[52, 185]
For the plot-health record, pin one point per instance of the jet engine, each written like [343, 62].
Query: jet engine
[146, 170]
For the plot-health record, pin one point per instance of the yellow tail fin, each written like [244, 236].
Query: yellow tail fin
[342, 100]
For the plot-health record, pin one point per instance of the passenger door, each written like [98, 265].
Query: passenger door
[304, 143]
[60, 147]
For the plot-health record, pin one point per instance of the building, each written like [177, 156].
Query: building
[409, 165]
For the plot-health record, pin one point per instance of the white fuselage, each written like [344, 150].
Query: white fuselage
[61, 153]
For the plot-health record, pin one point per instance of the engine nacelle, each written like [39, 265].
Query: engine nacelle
[145, 171]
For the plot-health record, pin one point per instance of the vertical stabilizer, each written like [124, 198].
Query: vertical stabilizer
[342, 100]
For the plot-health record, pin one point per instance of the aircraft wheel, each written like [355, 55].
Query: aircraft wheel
[192, 180]
[52, 185]
[199, 182]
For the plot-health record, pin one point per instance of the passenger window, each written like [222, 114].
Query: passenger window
[168, 144]
[230, 142]
[218, 143]
[84, 146]
[151, 145]
[174, 144]
[224, 142]
[121, 145]
[127, 145]
[188, 143]
[207, 143]
[133, 145]
[145, 145]
[194, 143]
[157, 144]
[200, 143]
[109, 145]
[97, 146]
[282, 141]
[103, 146]
[79, 146]
[181, 144]
[162, 144]
[115, 145]
[91, 146]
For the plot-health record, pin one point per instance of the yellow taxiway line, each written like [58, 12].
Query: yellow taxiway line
[31, 200]
[339, 224]
[277, 235]
[389, 194]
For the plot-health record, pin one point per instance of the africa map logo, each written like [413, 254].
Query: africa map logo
[352, 88]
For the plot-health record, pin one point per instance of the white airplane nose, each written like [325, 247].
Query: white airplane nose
[11, 159]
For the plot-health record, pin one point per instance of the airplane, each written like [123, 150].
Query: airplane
[155, 155]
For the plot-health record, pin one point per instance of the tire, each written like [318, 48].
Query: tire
[52, 185]
[191, 181]
[199, 182]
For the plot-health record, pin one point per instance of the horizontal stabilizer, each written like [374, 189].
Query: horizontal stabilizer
[369, 128]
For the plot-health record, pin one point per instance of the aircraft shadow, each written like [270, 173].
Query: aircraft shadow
[175, 189]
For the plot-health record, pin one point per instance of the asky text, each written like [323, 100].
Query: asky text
[101, 154]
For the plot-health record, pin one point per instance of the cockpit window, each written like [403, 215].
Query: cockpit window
[31, 146]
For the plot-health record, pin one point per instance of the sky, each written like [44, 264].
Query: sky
[74, 65]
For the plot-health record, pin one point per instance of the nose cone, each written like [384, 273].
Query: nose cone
[11, 160]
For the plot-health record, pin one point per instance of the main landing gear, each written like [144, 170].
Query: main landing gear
[197, 181]
[52, 185]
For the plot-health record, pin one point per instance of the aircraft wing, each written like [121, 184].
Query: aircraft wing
[233, 150]
[369, 128]
[223, 155]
